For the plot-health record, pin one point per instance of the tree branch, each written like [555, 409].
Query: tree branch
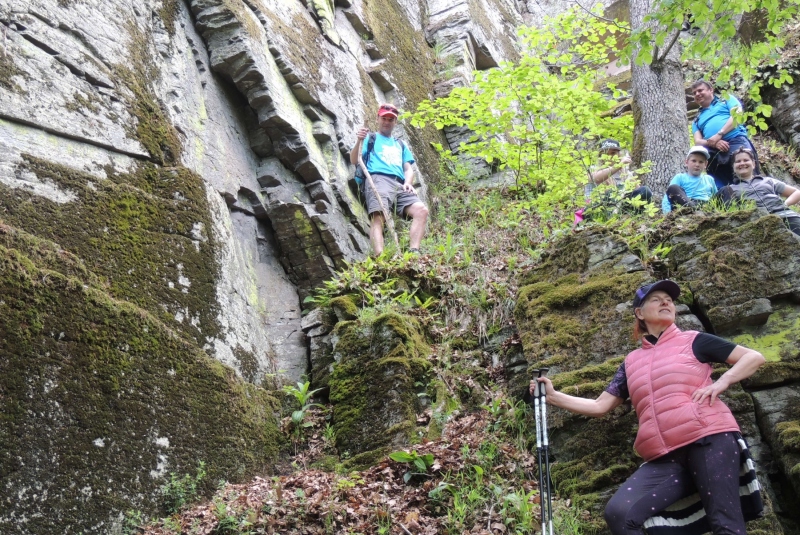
[595, 15]
[670, 45]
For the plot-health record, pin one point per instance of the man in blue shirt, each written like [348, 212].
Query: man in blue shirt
[692, 187]
[390, 165]
[716, 129]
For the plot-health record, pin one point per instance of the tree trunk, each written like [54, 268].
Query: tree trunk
[660, 132]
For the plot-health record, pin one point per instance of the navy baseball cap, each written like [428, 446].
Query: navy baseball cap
[672, 289]
[610, 144]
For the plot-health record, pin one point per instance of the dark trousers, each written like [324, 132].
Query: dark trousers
[677, 197]
[709, 466]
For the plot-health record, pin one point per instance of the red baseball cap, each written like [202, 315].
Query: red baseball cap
[388, 109]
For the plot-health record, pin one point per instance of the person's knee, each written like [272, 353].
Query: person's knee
[615, 515]
[417, 211]
[674, 190]
[645, 193]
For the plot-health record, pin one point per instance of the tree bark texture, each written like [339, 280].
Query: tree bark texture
[660, 132]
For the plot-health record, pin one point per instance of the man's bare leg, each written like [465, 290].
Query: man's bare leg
[376, 233]
[418, 213]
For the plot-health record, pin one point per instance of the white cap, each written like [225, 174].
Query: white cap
[699, 149]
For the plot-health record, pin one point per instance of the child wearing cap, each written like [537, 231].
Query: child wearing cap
[692, 187]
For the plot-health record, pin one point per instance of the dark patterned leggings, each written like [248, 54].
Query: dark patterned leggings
[709, 466]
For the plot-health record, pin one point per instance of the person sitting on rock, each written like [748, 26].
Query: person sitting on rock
[614, 173]
[716, 129]
[767, 192]
[688, 437]
[693, 187]
[390, 165]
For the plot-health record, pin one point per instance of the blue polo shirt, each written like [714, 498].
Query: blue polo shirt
[711, 120]
[699, 188]
[388, 157]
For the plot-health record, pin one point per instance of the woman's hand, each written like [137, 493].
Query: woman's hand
[711, 392]
[548, 385]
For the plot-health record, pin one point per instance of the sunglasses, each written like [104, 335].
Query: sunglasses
[388, 108]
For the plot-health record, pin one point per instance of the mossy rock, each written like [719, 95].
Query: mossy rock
[779, 341]
[570, 322]
[146, 234]
[100, 400]
[732, 260]
[345, 307]
[365, 460]
[373, 387]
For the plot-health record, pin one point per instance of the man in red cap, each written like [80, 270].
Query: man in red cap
[390, 165]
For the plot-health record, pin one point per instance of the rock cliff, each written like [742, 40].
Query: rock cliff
[173, 183]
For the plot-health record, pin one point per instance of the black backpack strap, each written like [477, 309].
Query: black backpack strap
[370, 147]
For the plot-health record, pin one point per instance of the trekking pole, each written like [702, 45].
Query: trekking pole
[546, 450]
[538, 416]
[386, 215]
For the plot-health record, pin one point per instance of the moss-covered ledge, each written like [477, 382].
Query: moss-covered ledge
[374, 384]
[100, 400]
[146, 233]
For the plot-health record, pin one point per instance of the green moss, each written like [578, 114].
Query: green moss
[570, 322]
[80, 102]
[345, 307]
[372, 387]
[730, 248]
[365, 460]
[169, 14]
[326, 463]
[145, 234]
[97, 394]
[789, 435]
[8, 69]
[778, 339]
[153, 129]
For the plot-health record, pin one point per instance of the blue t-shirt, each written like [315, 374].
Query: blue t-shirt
[388, 156]
[699, 188]
[711, 120]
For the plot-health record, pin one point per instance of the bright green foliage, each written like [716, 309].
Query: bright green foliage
[178, 492]
[540, 118]
[303, 396]
[737, 62]
[422, 463]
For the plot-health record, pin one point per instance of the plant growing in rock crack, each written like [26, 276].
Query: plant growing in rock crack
[422, 463]
[303, 395]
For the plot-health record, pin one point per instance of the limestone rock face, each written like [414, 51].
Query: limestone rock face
[101, 400]
[738, 274]
[193, 157]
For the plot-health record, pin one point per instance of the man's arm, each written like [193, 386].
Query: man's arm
[356, 151]
[716, 141]
[605, 174]
[408, 172]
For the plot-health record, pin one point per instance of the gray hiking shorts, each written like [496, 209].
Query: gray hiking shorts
[392, 194]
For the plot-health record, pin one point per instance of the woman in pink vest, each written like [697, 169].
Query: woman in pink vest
[688, 438]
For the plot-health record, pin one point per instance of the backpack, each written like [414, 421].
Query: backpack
[359, 175]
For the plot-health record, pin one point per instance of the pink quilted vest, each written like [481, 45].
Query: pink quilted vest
[661, 380]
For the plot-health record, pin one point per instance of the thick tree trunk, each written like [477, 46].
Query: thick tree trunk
[660, 131]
